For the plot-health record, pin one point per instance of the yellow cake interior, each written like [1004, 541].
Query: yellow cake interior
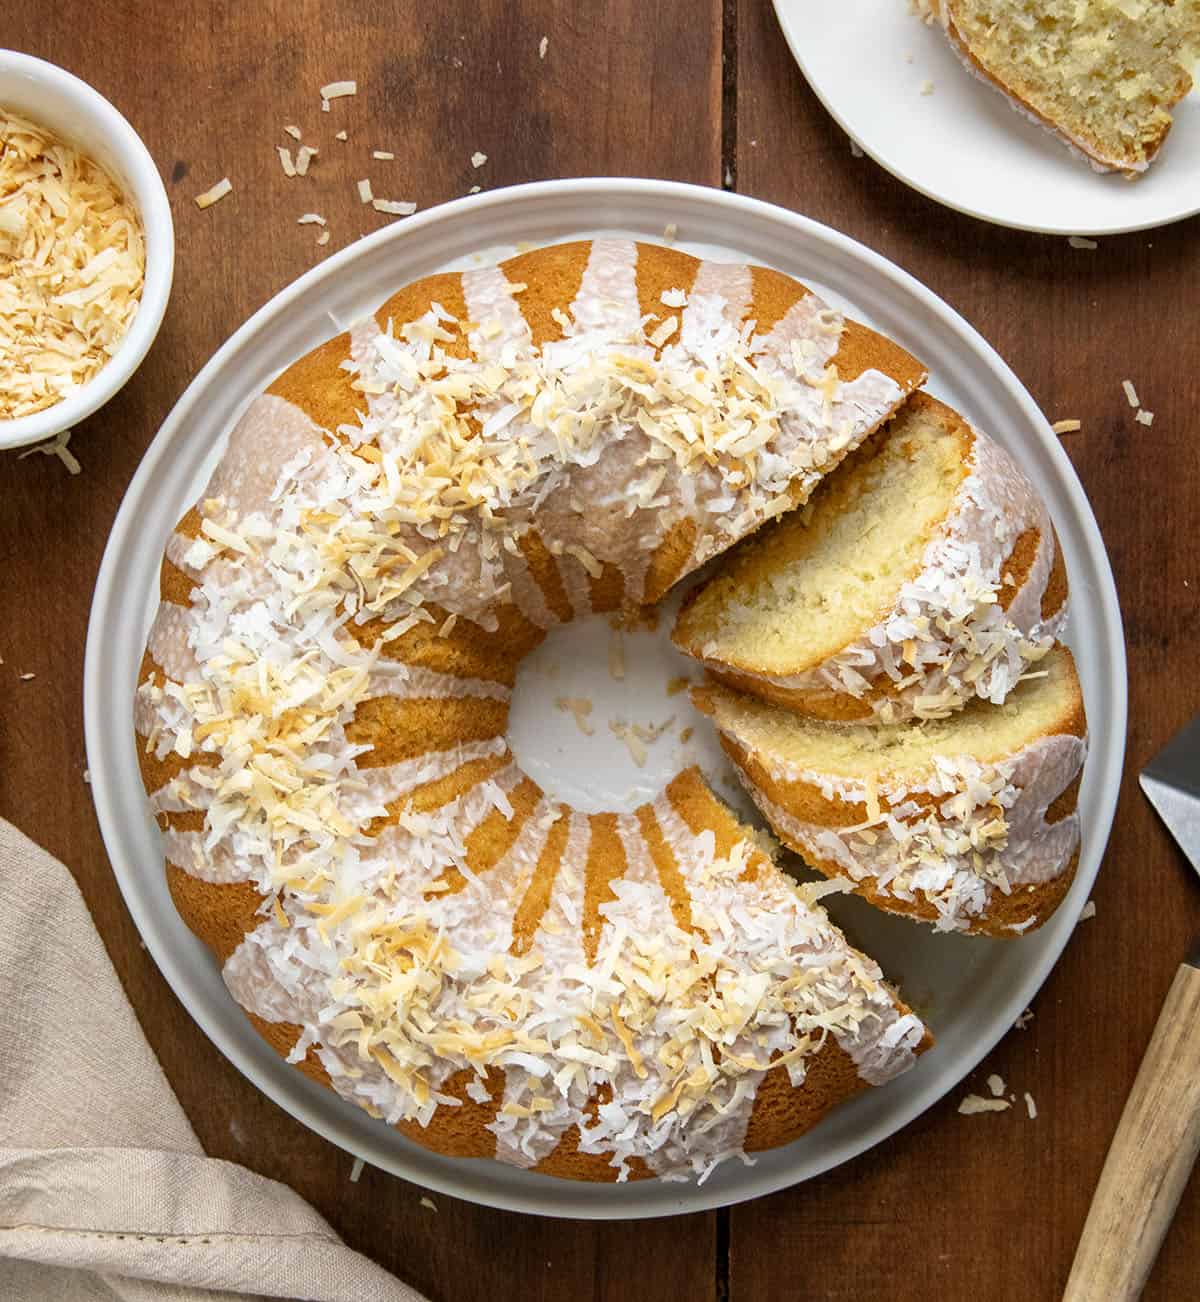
[799, 591]
[1046, 702]
[1105, 73]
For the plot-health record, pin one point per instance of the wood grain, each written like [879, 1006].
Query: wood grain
[1151, 1158]
[988, 1207]
[210, 85]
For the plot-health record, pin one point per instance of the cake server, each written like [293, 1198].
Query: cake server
[1158, 1136]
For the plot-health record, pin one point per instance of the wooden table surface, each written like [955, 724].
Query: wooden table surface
[977, 1208]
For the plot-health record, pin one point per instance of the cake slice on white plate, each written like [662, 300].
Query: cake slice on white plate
[1103, 75]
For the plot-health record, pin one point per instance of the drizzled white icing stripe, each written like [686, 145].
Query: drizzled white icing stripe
[415, 682]
[494, 309]
[607, 301]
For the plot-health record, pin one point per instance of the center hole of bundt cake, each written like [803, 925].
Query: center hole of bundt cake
[601, 718]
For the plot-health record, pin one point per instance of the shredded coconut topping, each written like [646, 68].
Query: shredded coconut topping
[72, 263]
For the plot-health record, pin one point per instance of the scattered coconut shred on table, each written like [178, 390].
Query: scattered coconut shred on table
[973, 1104]
[214, 195]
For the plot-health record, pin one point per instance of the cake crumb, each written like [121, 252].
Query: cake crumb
[478, 158]
[679, 684]
[686, 735]
[580, 707]
[1088, 911]
[356, 1170]
[1030, 1106]
[215, 193]
[1067, 426]
[1130, 393]
[428, 1203]
[543, 46]
[995, 1083]
[1024, 1019]
[973, 1104]
[1081, 242]
[651, 732]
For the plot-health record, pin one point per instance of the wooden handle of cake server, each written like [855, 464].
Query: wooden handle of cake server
[1150, 1159]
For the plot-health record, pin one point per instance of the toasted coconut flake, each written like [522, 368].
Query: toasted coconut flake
[1024, 1019]
[670, 230]
[310, 219]
[341, 135]
[1088, 911]
[995, 1084]
[397, 208]
[1081, 242]
[428, 1203]
[304, 155]
[616, 655]
[25, 678]
[580, 707]
[478, 158]
[383, 155]
[72, 266]
[215, 194]
[294, 132]
[364, 190]
[1030, 1106]
[973, 1104]
[1067, 426]
[1144, 417]
[1130, 393]
[338, 89]
[323, 238]
[543, 46]
[56, 447]
[285, 160]
[927, 87]
[356, 1170]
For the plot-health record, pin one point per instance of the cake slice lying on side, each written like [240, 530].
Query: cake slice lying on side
[968, 822]
[1102, 75]
[923, 573]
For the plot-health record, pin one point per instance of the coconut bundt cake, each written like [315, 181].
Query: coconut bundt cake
[1102, 75]
[921, 575]
[323, 705]
[968, 822]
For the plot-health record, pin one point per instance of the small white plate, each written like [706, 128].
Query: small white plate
[962, 144]
[971, 990]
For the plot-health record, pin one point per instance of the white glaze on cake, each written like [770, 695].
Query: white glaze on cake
[282, 512]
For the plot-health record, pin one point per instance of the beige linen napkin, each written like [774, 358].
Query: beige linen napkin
[105, 1192]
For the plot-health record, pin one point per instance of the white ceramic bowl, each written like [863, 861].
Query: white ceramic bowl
[971, 988]
[82, 116]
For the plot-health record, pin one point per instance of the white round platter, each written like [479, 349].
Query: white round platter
[971, 990]
[961, 143]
